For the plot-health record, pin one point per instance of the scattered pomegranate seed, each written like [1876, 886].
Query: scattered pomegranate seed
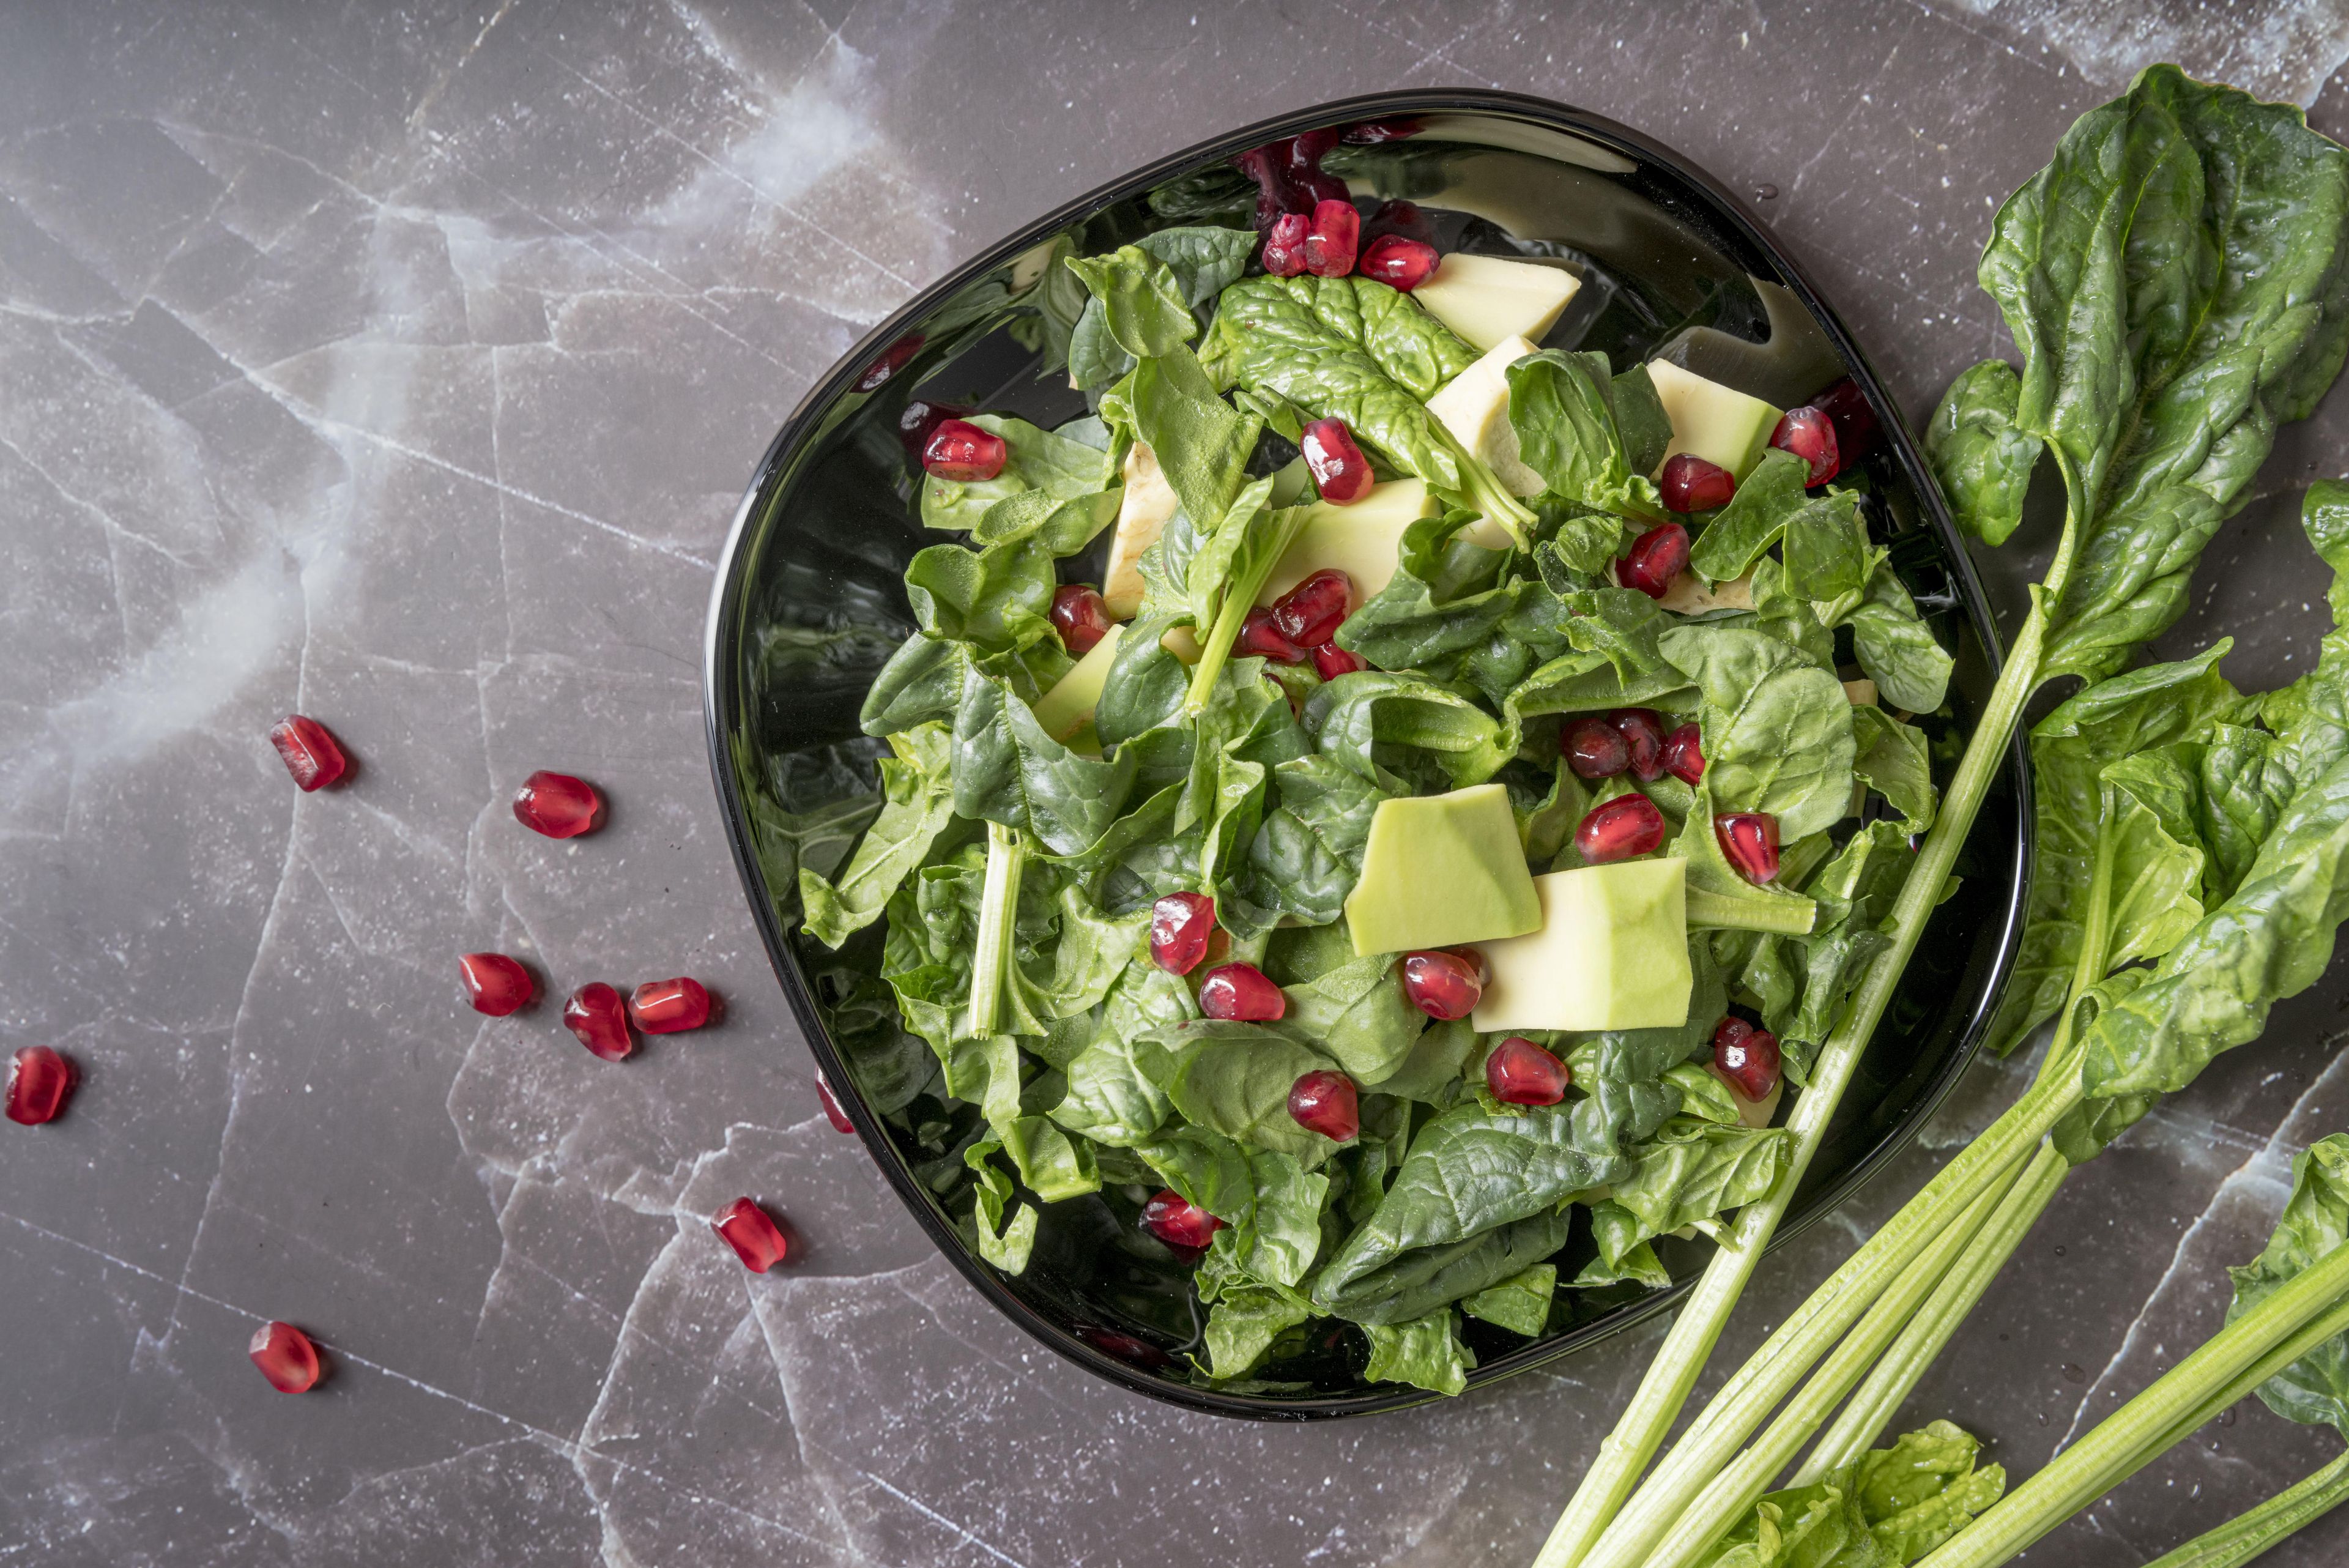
[1080, 616]
[1310, 614]
[1330, 661]
[891, 361]
[558, 806]
[1594, 748]
[1443, 985]
[1284, 245]
[1645, 732]
[1627, 825]
[600, 1020]
[1810, 435]
[1657, 556]
[1520, 1073]
[1177, 1221]
[1688, 484]
[1241, 993]
[1324, 1102]
[1335, 236]
[961, 452]
[1180, 925]
[1399, 262]
[1341, 474]
[1684, 754]
[832, 1111]
[1855, 429]
[1750, 839]
[1747, 1057]
[310, 751]
[753, 1235]
[496, 984]
[1259, 639]
[919, 420]
[285, 1356]
[39, 1083]
[669, 1006]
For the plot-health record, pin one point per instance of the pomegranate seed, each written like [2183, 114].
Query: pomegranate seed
[1241, 993]
[1847, 407]
[1627, 825]
[1809, 435]
[1331, 661]
[891, 361]
[961, 452]
[496, 984]
[1335, 235]
[596, 1015]
[669, 1006]
[1594, 749]
[1689, 483]
[1442, 985]
[920, 420]
[1658, 555]
[1520, 1073]
[1645, 732]
[1177, 1221]
[1310, 614]
[39, 1083]
[1341, 474]
[1747, 1057]
[558, 806]
[1750, 839]
[1684, 754]
[1261, 639]
[832, 1111]
[1180, 925]
[285, 1356]
[310, 750]
[1324, 1102]
[753, 1235]
[1399, 262]
[1080, 616]
[1265, 166]
[1284, 245]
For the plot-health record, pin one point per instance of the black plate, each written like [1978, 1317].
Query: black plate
[808, 603]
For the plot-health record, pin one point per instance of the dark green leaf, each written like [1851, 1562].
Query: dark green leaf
[2314, 1390]
[1983, 460]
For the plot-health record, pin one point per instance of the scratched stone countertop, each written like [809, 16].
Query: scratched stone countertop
[403, 367]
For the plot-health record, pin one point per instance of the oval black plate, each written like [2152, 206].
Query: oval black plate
[809, 602]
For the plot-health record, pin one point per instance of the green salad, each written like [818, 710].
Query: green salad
[1382, 807]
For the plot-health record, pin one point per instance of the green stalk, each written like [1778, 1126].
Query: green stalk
[1790, 916]
[1239, 598]
[2247, 1534]
[998, 909]
[1486, 492]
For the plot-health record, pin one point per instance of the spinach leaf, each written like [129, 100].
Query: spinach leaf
[1692, 1172]
[1519, 1303]
[1090, 950]
[1424, 1351]
[1054, 462]
[1827, 554]
[1629, 1073]
[2156, 857]
[1272, 1204]
[2314, 1390]
[1754, 519]
[1983, 460]
[1142, 304]
[1307, 853]
[1853, 891]
[1377, 723]
[1201, 444]
[1005, 1246]
[1777, 728]
[1433, 1071]
[921, 682]
[1201, 261]
[1562, 408]
[1244, 1314]
[999, 597]
[1234, 1079]
[1358, 1013]
[1117, 1089]
[917, 802]
[1892, 761]
[1896, 648]
[1719, 895]
[1007, 770]
[1889, 1507]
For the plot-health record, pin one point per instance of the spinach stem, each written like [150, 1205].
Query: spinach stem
[2247, 1534]
[1282, 526]
[998, 907]
[1786, 915]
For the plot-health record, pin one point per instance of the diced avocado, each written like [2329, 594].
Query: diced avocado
[1067, 707]
[1611, 953]
[1142, 513]
[1441, 869]
[1860, 693]
[1714, 423]
[1474, 407]
[1489, 299]
[1686, 595]
[1364, 540]
[1182, 643]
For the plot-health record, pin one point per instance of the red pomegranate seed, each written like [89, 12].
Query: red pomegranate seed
[1310, 614]
[596, 1015]
[753, 1235]
[1241, 993]
[961, 452]
[1265, 165]
[1442, 985]
[1180, 925]
[1644, 730]
[1335, 236]
[558, 806]
[1259, 639]
[1324, 1102]
[1688, 484]
[285, 1356]
[496, 984]
[1809, 435]
[1627, 825]
[669, 1006]
[1080, 616]
[1399, 262]
[1594, 749]
[1855, 429]
[1341, 474]
[1284, 245]
[310, 751]
[1684, 754]
[832, 1111]
[1657, 556]
[1178, 1223]
[1331, 661]
[1520, 1073]
[39, 1083]
[891, 361]
[1747, 1057]
[1750, 839]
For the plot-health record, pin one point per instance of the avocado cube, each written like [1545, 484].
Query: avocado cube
[1440, 870]
[1612, 952]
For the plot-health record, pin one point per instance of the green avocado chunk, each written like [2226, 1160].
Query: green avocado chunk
[1611, 953]
[1441, 869]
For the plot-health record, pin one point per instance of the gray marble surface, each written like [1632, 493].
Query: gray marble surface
[401, 365]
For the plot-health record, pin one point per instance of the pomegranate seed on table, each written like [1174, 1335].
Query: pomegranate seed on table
[1688, 484]
[1310, 614]
[310, 751]
[1644, 731]
[1846, 407]
[1684, 754]
[1341, 474]
[1259, 639]
[1657, 556]
[1080, 616]
[961, 452]
[1242, 993]
[600, 1020]
[1284, 245]
[496, 984]
[1520, 1073]
[1442, 984]
[1750, 839]
[1747, 1057]
[1333, 237]
[1627, 825]
[753, 1235]
[1399, 262]
[40, 1081]
[1325, 1103]
[1594, 748]
[285, 1356]
[832, 1111]
[1810, 435]
[1330, 661]
[669, 1006]
[558, 806]
[1180, 925]
[1177, 1221]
